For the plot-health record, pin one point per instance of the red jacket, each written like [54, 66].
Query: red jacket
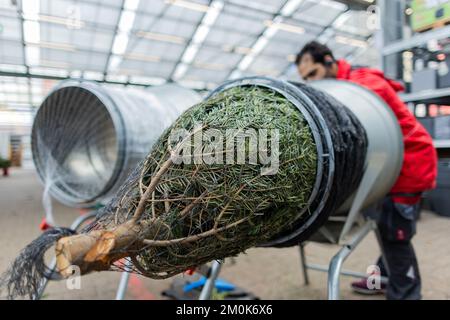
[419, 168]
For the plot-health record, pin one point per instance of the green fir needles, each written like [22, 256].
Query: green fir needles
[215, 198]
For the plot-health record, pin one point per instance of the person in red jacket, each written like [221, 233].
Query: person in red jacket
[399, 210]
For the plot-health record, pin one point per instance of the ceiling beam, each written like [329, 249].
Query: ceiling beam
[302, 22]
[60, 78]
[260, 43]
[24, 53]
[197, 38]
[116, 32]
[324, 31]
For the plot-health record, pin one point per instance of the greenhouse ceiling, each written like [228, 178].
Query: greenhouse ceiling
[197, 43]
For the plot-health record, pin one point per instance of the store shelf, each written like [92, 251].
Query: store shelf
[416, 40]
[441, 144]
[429, 96]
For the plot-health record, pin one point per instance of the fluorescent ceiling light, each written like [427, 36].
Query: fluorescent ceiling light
[52, 45]
[208, 20]
[92, 75]
[32, 55]
[245, 62]
[328, 33]
[31, 30]
[334, 4]
[238, 49]
[76, 74]
[142, 57]
[351, 41]
[120, 43]
[30, 9]
[131, 5]
[160, 37]
[126, 21]
[212, 13]
[189, 5]
[131, 72]
[243, 50]
[271, 29]
[147, 80]
[13, 68]
[180, 70]
[199, 36]
[342, 19]
[210, 66]
[235, 74]
[49, 72]
[284, 27]
[70, 23]
[350, 22]
[121, 78]
[290, 7]
[14, 118]
[259, 45]
[258, 5]
[55, 64]
[193, 84]
[190, 54]
[114, 63]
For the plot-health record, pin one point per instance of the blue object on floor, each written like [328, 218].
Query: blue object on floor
[220, 285]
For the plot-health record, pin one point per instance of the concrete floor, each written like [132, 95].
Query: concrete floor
[268, 273]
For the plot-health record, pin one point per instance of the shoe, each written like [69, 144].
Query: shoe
[362, 288]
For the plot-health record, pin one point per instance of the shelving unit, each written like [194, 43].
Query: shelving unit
[393, 20]
[437, 96]
[416, 40]
[441, 144]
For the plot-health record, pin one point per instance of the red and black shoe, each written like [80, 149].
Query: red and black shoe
[362, 287]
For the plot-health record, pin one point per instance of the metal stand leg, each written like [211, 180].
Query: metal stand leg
[334, 272]
[52, 267]
[303, 263]
[123, 284]
[210, 281]
[337, 261]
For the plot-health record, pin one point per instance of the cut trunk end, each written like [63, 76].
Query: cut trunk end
[97, 250]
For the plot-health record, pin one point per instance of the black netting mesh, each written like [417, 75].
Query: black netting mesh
[350, 147]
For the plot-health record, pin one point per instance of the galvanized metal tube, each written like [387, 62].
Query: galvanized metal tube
[86, 137]
[382, 129]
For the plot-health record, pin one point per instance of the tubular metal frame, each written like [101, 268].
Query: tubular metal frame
[334, 269]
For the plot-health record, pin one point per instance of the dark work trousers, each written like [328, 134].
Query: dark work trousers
[397, 226]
